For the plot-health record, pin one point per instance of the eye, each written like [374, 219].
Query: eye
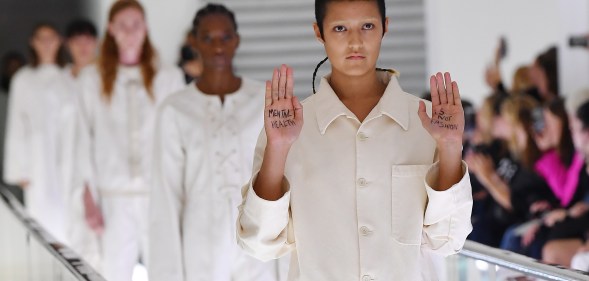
[368, 26]
[339, 28]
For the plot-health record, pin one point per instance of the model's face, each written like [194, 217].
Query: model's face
[82, 48]
[46, 44]
[216, 41]
[352, 35]
[129, 30]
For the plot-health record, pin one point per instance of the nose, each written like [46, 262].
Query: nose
[218, 46]
[355, 42]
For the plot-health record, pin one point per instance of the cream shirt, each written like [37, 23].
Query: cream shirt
[359, 204]
[203, 152]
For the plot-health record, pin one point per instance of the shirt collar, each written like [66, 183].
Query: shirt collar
[393, 103]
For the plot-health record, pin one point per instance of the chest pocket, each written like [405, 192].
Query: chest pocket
[408, 201]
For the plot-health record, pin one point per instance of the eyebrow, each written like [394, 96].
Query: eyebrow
[347, 21]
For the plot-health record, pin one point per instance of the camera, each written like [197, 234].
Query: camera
[579, 41]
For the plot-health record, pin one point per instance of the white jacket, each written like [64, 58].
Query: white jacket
[203, 153]
[119, 133]
[41, 117]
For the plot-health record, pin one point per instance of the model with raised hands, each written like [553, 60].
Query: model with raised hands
[361, 181]
[119, 99]
[205, 140]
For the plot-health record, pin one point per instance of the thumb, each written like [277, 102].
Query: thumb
[422, 113]
[298, 108]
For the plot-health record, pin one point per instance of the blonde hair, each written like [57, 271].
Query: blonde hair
[517, 111]
[521, 80]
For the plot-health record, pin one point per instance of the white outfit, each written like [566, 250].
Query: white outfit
[203, 153]
[119, 136]
[41, 112]
[359, 204]
[81, 238]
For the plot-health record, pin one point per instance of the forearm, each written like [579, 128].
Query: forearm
[450, 157]
[498, 189]
[268, 184]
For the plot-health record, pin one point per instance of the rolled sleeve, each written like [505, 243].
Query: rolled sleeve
[263, 225]
[447, 216]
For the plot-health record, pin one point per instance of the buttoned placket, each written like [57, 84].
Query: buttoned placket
[363, 191]
[134, 127]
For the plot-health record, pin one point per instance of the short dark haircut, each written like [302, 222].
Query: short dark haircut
[321, 8]
[79, 27]
[583, 115]
[548, 61]
[211, 9]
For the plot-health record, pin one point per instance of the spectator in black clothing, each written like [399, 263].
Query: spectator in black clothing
[570, 233]
[512, 182]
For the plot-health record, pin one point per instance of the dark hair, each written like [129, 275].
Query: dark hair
[565, 147]
[583, 115]
[61, 54]
[548, 61]
[80, 27]
[6, 72]
[210, 9]
[320, 11]
[321, 7]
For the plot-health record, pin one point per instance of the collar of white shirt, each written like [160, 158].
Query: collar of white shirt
[393, 103]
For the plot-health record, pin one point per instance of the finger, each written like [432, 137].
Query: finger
[268, 96]
[456, 94]
[441, 89]
[422, 113]
[433, 89]
[448, 83]
[289, 82]
[282, 83]
[275, 85]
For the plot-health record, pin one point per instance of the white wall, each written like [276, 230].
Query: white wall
[462, 36]
[168, 23]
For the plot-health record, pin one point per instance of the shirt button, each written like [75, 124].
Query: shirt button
[366, 278]
[362, 182]
[365, 231]
[362, 137]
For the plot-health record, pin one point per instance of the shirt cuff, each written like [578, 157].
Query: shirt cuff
[451, 199]
[265, 209]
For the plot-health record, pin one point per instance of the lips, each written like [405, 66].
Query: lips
[356, 57]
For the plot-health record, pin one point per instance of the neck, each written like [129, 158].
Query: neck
[129, 57]
[76, 69]
[356, 87]
[46, 61]
[218, 83]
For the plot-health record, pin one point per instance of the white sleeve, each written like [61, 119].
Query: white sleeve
[84, 156]
[447, 216]
[167, 192]
[17, 147]
[264, 228]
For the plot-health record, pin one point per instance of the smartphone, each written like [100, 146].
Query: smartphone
[502, 47]
[538, 123]
[578, 41]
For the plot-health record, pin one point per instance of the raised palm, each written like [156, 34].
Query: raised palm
[446, 125]
[283, 113]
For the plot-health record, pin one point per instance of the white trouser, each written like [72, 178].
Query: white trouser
[125, 235]
[580, 261]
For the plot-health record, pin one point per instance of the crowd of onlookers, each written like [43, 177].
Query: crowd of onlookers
[526, 150]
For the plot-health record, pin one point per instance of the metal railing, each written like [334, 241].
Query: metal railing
[27, 252]
[477, 262]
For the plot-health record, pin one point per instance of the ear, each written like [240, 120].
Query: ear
[238, 39]
[318, 33]
[386, 26]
